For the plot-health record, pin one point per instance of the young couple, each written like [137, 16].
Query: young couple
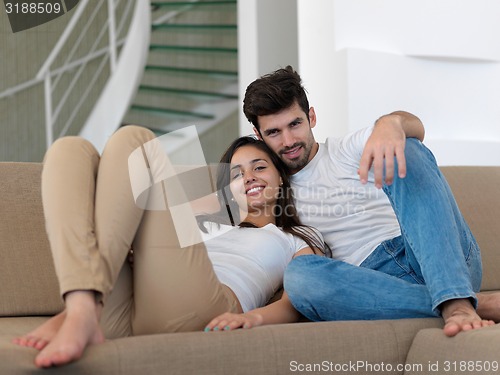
[395, 233]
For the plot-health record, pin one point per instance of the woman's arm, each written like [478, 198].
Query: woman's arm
[279, 312]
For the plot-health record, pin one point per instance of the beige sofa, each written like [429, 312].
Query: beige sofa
[29, 293]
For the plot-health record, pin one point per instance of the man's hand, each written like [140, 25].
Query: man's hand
[386, 144]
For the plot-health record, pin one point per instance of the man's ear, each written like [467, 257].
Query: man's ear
[312, 117]
[257, 133]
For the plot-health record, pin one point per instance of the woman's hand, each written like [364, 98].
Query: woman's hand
[230, 321]
[278, 312]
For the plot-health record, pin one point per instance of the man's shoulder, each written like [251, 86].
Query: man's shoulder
[350, 136]
[348, 144]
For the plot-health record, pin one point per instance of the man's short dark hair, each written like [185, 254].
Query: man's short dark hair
[274, 92]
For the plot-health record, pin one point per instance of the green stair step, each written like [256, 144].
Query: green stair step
[167, 111]
[154, 114]
[192, 26]
[153, 47]
[191, 70]
[187, 92]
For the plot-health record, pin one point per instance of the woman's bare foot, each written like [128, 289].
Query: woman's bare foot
[78, 328]
[459, 315]
[40, 337]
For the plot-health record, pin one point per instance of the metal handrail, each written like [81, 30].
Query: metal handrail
[51, 78]
[62, 40]
[71, 53]
[76, 76]
[51, 115]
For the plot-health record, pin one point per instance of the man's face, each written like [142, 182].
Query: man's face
[288, 133]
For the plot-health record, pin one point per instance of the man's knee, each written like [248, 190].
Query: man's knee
[416, 152]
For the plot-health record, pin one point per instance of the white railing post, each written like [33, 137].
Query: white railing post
[112, 35]
[49, 131]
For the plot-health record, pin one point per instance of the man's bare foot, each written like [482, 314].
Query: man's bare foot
[78, 328]
[459, 315]
[488, 305]
[40, 336]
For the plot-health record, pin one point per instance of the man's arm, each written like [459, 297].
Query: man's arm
[386, 142]
[411, 124]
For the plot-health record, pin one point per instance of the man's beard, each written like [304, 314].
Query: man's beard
[299, 163]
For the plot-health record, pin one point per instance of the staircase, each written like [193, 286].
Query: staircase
[191, 74]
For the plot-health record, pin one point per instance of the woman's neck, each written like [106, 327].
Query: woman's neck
[261, 217]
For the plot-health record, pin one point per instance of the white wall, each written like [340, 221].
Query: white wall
[440, 60]
[267, 40]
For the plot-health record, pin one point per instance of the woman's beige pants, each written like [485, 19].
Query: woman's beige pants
[93, 221]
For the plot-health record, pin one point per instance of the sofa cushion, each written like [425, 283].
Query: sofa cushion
[476, 189]
[27, 277]
[338, 347]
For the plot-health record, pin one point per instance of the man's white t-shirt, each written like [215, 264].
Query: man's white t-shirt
[353, 218]
[251, 261]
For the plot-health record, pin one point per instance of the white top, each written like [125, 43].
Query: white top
[251, 261]
[353, 218]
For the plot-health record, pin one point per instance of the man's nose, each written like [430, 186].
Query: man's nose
[288, 139]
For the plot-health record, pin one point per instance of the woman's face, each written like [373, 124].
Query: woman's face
[254, 180]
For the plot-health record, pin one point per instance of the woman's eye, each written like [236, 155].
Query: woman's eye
[236, 175]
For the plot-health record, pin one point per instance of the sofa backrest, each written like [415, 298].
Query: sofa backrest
[28, 285]
[476, 189]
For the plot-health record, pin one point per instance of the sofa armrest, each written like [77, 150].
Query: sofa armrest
[472, 352]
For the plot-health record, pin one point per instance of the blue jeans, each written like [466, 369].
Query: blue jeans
[434, 260]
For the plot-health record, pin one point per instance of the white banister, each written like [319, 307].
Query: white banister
[50, 77]
[75, 78]
[83, 33]
[62, 40]
[120, 88]
[112, 35]
[49, 136]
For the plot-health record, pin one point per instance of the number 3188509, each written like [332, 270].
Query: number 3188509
[33, 8]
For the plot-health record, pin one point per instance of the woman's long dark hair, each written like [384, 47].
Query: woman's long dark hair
[285, 211]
